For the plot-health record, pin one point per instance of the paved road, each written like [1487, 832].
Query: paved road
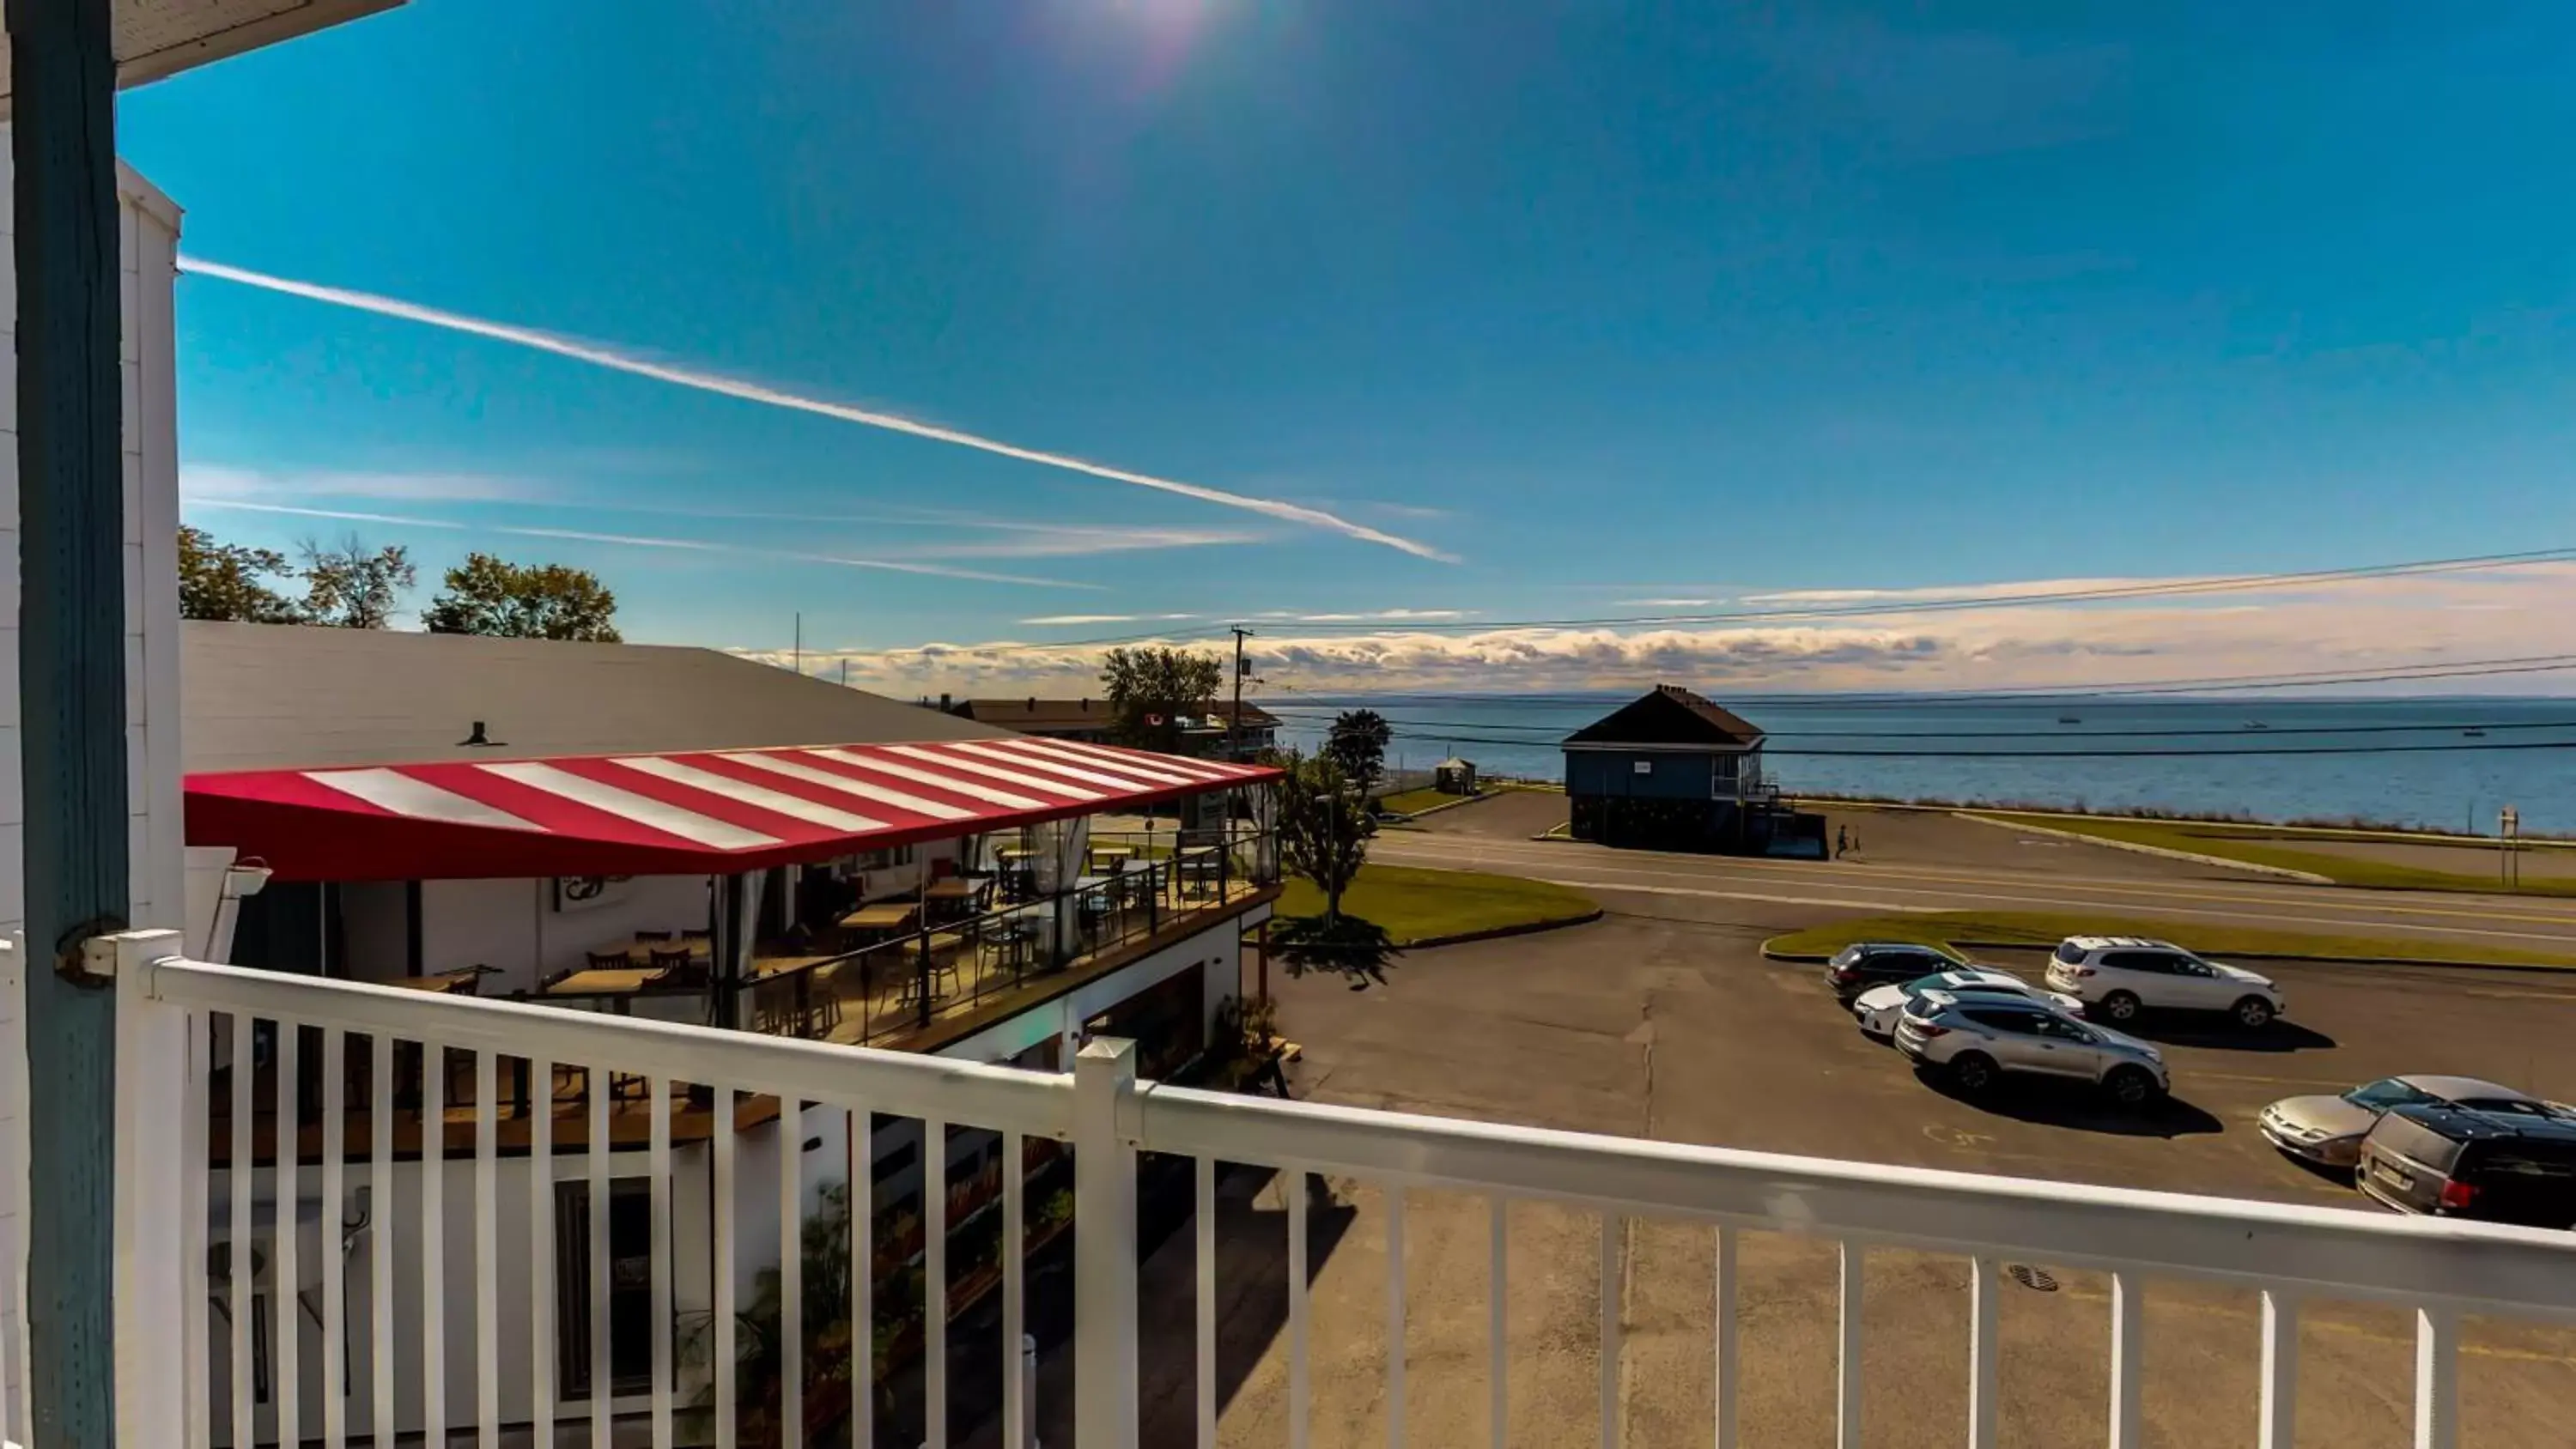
[2048, 875]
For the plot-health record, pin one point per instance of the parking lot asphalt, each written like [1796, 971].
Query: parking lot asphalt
[1674, 1027]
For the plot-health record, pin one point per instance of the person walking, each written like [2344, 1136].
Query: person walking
[1842, 840]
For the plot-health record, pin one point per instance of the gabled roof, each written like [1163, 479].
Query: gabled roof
[275, 696]
[1671, 715]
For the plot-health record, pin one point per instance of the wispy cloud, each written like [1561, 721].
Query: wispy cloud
[1022, 538]
[1668, 603]
[633, 540]
[208, 481]
[1073, 542]
[619, 360]
[1064, 619]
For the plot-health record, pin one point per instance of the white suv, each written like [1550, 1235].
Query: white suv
[2116, 976]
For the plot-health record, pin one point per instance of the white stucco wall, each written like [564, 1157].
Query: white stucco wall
[147, 241]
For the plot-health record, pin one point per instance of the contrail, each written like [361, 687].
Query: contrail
[600, 356]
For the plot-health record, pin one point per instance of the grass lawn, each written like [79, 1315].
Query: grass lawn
[2046, 928]
[2263, 845]
[1409, 801]
[1418, 905]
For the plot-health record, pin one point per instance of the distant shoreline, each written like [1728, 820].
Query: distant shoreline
[2358, 825]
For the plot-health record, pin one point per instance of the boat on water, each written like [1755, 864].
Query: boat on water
[2256, 724]
[2068, 719]
[2475, 734]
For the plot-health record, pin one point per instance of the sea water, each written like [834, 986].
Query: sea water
[2449, 763]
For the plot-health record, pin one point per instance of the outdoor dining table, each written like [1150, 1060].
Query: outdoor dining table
[883, 918]
[618, 987]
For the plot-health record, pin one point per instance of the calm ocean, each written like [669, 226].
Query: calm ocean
[1996, 750]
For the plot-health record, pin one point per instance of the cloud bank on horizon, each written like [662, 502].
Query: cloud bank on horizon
[2356, 626]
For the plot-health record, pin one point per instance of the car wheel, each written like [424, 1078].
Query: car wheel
[2130, 1086]
[1972, 1072]
[2253, 1013]
[2120, 1006]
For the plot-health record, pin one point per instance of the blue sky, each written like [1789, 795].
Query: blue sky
[1605, 304]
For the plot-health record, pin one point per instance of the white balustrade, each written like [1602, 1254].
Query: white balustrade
[426, 1219]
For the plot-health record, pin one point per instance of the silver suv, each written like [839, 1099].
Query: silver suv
[1978, 1039]
[2117, 976]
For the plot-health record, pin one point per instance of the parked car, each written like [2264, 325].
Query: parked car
[1864, 964]
[1979, 1039]
[2119, 976]
[1878, 1008]
[2328, 1129]
[2450, 1161]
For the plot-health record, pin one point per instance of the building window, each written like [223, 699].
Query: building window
[630, 1286]
[1641, 767]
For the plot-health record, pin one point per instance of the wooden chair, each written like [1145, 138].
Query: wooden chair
[610, 960]
[675, 965]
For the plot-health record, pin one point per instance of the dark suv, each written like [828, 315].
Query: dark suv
[2456, 1162]
[1856, 968]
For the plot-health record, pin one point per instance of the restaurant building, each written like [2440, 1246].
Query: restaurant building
[685, 835]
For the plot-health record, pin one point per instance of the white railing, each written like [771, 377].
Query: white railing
[464, 1368]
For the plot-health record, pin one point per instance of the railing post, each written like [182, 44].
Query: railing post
[921, 978]
[156, 1378]
[1104, 1246]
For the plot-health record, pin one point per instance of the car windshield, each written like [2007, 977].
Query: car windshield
[1937, 981]
[1846, 956]
[2070, 953]
[2386, 1093]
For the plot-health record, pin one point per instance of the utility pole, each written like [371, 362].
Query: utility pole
[1234, 721]
[71, 687]
[800, 643]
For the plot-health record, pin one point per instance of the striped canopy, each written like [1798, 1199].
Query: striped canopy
[670, 814]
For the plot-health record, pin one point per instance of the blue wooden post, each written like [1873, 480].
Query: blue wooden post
[71, 686]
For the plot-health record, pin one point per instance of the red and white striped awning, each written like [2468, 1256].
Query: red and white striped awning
[670, 814]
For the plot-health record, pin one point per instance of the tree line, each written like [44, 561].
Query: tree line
[355, 585]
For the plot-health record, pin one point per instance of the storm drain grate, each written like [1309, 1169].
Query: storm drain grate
[2037, 1280]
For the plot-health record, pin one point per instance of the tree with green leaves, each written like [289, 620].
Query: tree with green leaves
[1324, 826]
[1150, 689]
[1324, 829]
[1357, 743]
[228, 581]
[353, 586]
[488, 595]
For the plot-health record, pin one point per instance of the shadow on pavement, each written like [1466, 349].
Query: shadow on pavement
[2215, 1033]
[2079, 1106]
[1251, 1307]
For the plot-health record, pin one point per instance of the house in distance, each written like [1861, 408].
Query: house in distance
[1672, 771]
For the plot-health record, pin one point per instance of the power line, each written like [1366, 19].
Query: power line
[1556, 731]
[1811, 753]
[2017, 696]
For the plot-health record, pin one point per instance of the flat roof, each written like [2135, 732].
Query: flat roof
[280, 696]
[1074, 714]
